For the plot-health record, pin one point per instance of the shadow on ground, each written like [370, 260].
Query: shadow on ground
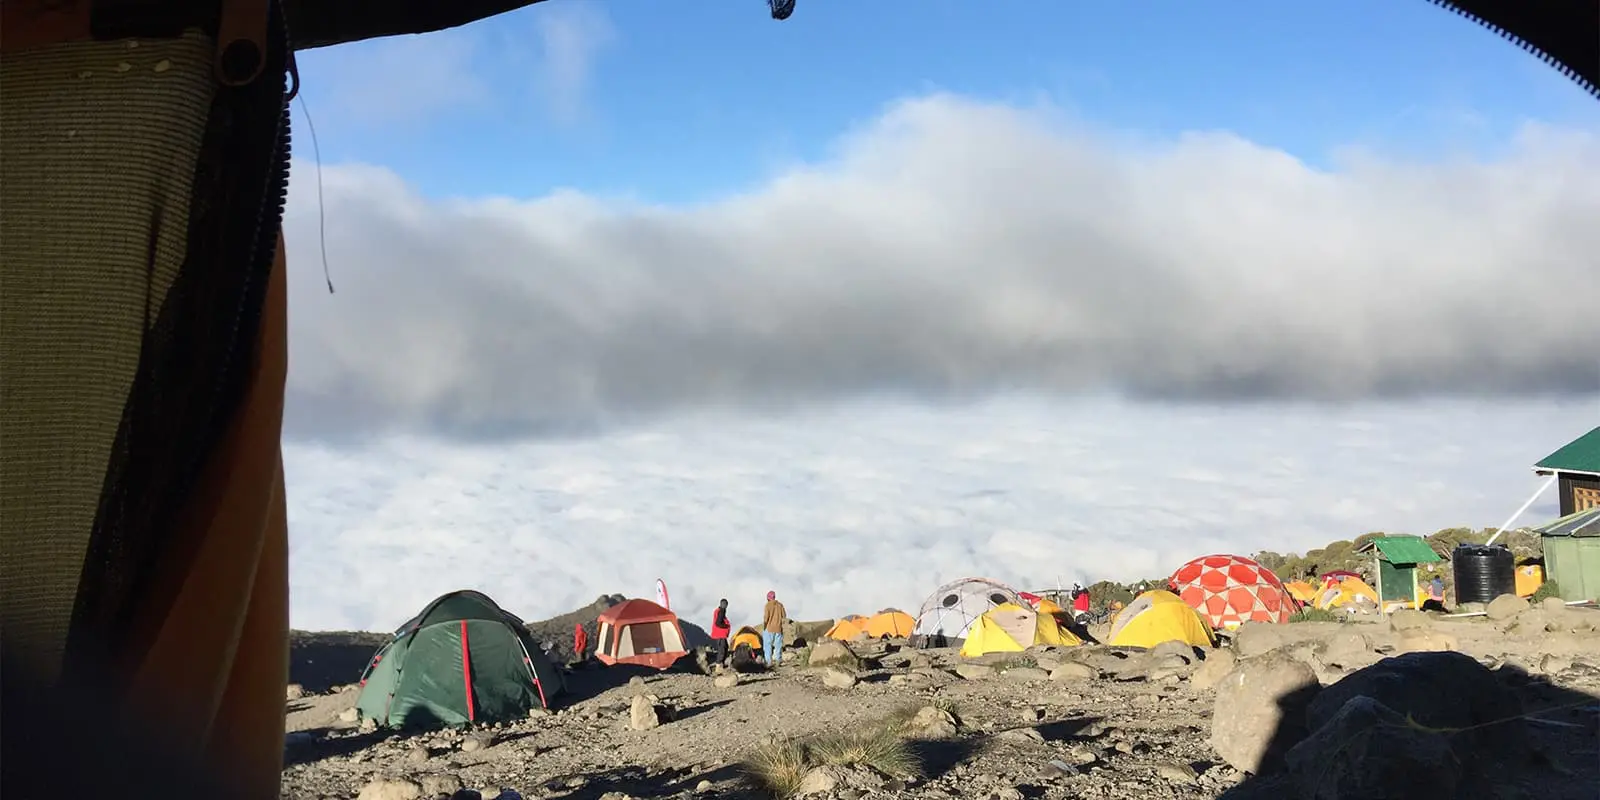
[1457, 730]
[640, 783]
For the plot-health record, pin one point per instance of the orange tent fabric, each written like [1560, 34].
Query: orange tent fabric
[640, 632]
[890, 622]
[846, 629]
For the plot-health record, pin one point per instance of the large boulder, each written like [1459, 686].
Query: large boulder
[1211, 671]
[1440, 691]
[1258, 638]
[833, 653]
[1367, 751]
[1505, 607]
[1259, 712]
[796, 632]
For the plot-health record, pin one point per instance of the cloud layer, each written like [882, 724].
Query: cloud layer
[868, 505]
[953, 249]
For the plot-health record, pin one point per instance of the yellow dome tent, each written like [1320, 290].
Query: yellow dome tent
[1156, 617]
[747, 636]
[1010, 628]
[1302, 591]
[847, 628]
[1345, 591]
[889, 622]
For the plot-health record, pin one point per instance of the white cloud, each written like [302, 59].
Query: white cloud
[814, 386]
[954, 249]
[571, 36]
[870, 505]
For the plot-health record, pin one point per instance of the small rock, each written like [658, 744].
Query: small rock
[1027, 674]
[636, 682]
[831, 652]
[1553, 664]
[702, 787]
[1074, 672]
[1505, 607]
[1177, 772]
[391, 789]
[1182, 650]
[1033, 714]
[368, 725]
[295, 691]
[975, 672]
[476, 742]
[1409, 619]
[838, 678]
[820, 780]
[643, 714]
[349, 715]
[726, 680]
[418, 755]
[1022, 735]
[1553, 605]
[445, 783]
[1344, 648]
[933, 722]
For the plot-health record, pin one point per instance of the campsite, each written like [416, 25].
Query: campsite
[1230, 686]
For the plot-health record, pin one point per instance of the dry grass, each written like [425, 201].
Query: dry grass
[778, 766]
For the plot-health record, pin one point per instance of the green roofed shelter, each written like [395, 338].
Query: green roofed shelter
[463, 659]
[1395, 560]
[1576, 469]
[1572, 554]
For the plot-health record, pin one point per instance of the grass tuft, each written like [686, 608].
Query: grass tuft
[1309, 614]
[779, 766]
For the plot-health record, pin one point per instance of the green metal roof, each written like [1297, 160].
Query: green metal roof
[1579, 455]
[1404, 550]
[1584, 523]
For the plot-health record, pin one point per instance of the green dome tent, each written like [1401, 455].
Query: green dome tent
[463, 659]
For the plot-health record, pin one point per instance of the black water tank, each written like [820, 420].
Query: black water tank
[1483, 572]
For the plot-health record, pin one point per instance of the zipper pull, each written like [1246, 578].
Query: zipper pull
[242, 41]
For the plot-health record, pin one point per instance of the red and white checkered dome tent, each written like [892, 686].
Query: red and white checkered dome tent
[1230, 590]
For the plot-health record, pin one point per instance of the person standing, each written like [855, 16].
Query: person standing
[720, 628]
[1080, 599]
[580, 643]
[772, 618]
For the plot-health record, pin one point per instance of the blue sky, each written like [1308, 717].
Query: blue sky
[674, 101]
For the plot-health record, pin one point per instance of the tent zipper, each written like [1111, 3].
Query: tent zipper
[1588, 85]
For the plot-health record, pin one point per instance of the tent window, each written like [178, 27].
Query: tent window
[998, 599]
[950, 600]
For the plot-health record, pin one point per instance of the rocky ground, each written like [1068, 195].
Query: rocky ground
[1519, 718]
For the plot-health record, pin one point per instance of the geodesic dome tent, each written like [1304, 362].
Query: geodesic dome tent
[1230, 590]
[952, 610]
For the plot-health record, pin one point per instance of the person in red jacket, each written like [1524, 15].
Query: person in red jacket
[580, 643]
[1080, 599]
[720, 629]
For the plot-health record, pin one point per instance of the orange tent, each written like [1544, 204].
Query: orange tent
[640, 632]
[846, 629]
[890, 622]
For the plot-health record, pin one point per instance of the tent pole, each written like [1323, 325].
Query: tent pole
[1514, 517]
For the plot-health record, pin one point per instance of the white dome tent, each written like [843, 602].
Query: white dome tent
[952, 609]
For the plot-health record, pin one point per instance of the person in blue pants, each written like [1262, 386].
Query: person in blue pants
[772, 619]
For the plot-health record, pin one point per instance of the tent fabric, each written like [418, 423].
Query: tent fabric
[141, 489]
[1012, 628]
[1156, 617]
[1529, 578]
[891, 622]
[1229, 590]
[1301, 591]
[1343, 592]
[640, 632]
[955, 607]
[746, 636]
[463, 659]
[846, 629]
